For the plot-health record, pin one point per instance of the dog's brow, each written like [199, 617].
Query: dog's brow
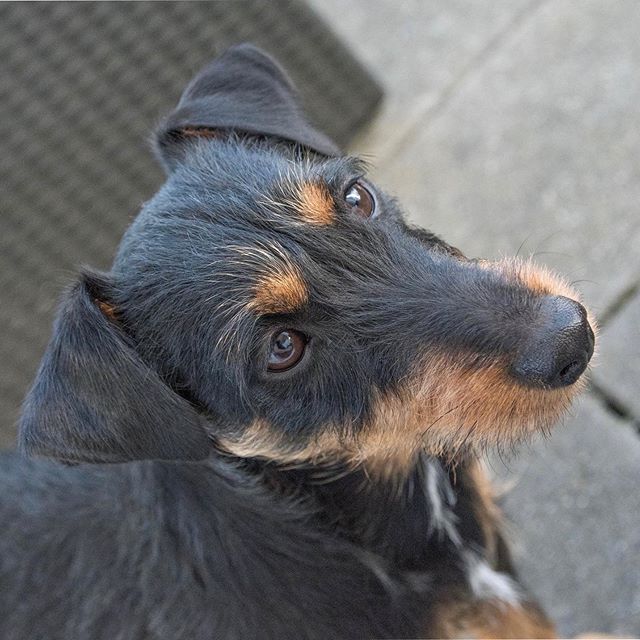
[314, 203]
[282, 291]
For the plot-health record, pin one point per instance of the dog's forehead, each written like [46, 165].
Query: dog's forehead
[261, 198]
[251, 230]
[249, 220]
[226, 175]
[289, 210]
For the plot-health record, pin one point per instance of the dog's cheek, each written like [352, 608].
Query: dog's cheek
[261, 440]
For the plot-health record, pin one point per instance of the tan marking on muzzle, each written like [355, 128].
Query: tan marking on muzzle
[538, 278]
[451, 404]
[283, 291]
[451, 408]
[314, 203]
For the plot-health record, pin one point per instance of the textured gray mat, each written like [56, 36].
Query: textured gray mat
[81, 86]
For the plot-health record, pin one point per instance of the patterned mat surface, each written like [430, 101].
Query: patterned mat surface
[81, 87]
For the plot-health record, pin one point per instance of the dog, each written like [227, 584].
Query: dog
[266, 420]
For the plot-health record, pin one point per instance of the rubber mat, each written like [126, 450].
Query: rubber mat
[81, 87]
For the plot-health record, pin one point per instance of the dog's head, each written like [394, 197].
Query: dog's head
[271, 302]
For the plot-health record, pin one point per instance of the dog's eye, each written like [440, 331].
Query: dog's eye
[287, 348]
[360, 200]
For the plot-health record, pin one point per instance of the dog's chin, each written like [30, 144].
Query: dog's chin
[463, 415]
[449, 407]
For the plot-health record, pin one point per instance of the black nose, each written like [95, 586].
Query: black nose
[558, 346]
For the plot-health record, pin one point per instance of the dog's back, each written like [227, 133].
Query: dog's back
[163, 550]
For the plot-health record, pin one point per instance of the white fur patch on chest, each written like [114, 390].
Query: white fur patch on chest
[484, 582]
[441, 500]
[487, 583]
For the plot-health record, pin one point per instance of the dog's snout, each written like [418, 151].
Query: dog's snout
[558, 346]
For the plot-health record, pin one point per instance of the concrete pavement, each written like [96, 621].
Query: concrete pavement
[515, 126]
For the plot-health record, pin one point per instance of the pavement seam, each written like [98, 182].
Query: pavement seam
[608, 400]
[425, 111]
[618, 303]
[613, 405]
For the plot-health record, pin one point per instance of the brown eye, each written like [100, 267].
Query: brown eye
[287, 348]
[360, 200]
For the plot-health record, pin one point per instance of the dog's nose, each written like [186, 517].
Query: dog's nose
[558, 347]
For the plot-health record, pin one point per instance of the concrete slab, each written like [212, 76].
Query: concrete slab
[518, 122]
[617, 369]
[540, 144]
[574, 504]
[418, 50]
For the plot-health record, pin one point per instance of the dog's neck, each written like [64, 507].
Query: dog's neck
[418, 522]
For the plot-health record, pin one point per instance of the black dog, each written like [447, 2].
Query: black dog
[295, 386]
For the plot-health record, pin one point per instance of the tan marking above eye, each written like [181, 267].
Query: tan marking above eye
[283, 291]
[314, 203]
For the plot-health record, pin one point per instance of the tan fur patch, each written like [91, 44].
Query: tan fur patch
[451, 407]
[314, 203]
[283, 291]
[260, 440]
[108, 309]
[199, 132]
[489, 619]
[540, 279]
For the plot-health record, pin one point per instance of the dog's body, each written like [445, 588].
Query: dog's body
[292, 386]
[203, 550]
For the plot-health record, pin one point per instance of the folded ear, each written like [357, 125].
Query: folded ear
[95, 400]
[243, 90]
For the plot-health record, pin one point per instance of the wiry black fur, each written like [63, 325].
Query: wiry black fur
[165, 550]
[151, 364]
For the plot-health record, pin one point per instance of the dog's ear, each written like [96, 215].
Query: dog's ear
[243, 90]
[95, 400]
